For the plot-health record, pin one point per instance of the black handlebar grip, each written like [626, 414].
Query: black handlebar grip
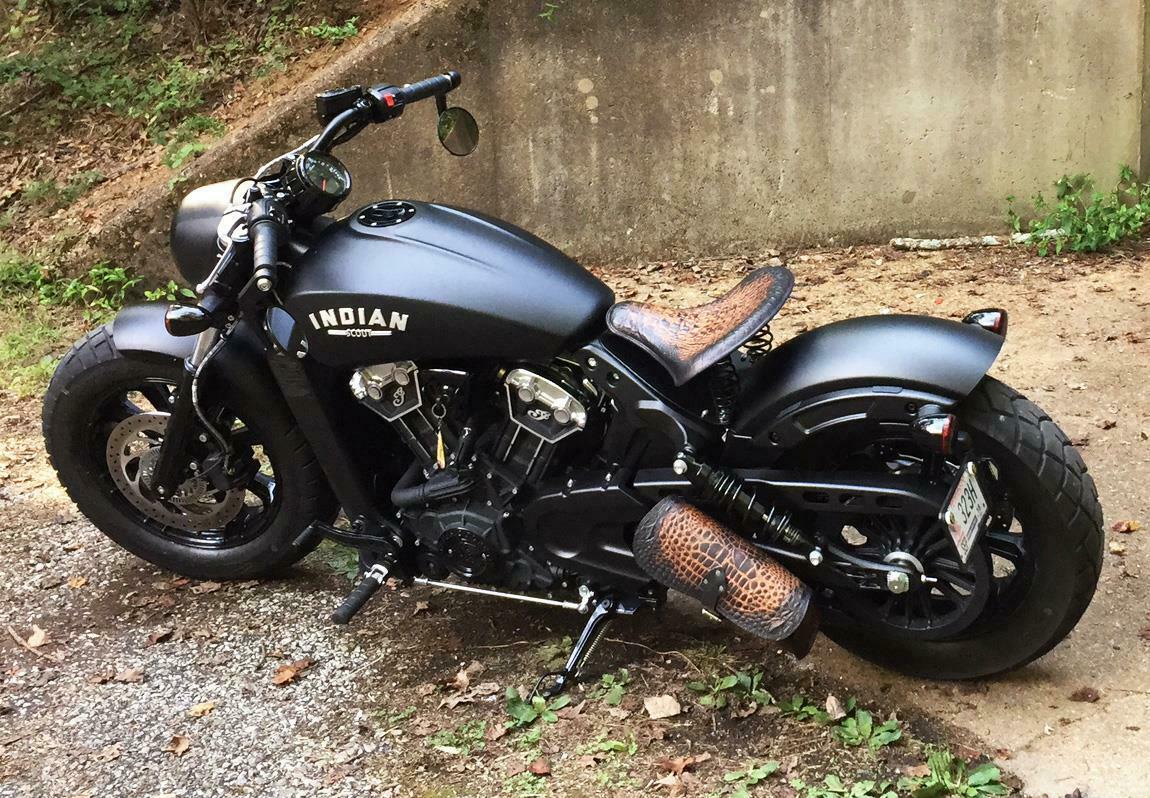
[267, 224]
[372, 581]
[421, 90]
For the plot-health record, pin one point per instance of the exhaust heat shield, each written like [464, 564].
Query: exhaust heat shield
[684, 548]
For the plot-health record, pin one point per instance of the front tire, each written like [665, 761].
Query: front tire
[96, 391]
[1058, 537]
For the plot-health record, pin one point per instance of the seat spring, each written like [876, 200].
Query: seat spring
[723, 381]
[760, 343]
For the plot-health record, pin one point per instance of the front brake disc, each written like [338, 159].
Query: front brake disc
[132, 452]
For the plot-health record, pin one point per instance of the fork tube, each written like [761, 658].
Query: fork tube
[181, 421]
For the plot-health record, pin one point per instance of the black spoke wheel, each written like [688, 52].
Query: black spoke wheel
[236, 509]
[1032, 573]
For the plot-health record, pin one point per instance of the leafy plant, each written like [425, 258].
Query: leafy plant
[742, 780]
[172, 292]
[859, 729]
[739, 687]
[400, 717]
[333, 33]
[462, 740]
[525, 713]
[949, 776]
[607, 745]
[833, 787]
[1081, 219]
[525, 785]
[612, 687]
[547, 12]
[801, 707]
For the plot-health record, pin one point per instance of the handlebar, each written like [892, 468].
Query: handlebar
[429, 87]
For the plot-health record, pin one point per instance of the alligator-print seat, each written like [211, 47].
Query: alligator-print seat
[688, 341]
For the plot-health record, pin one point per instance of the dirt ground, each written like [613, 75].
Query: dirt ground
[133, 655]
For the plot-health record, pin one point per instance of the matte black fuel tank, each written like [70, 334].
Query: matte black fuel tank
[414, 280]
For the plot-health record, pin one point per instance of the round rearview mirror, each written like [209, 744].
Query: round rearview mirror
[458, 131]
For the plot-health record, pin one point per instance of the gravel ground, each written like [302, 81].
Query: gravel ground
[91, 711]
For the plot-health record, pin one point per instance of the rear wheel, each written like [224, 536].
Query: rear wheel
[1030, 577]
[104, 419]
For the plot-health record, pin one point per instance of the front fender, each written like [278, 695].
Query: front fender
[240, 368]
[874, 367]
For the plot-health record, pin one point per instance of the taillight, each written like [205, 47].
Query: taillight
[992, 319]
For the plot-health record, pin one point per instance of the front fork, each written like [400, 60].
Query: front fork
[181, 429]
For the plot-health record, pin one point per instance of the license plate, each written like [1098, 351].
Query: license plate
[966, 511]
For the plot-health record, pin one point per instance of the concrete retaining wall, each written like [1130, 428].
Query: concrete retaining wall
[649, 128]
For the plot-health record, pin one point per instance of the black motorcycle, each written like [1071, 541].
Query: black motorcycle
[489, 420]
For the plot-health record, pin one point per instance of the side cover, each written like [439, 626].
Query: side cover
[418, 281]
[860, 366]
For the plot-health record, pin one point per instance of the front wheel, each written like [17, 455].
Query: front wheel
[104, 419]
[1027, 583]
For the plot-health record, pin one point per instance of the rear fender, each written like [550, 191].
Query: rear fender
[875, 368]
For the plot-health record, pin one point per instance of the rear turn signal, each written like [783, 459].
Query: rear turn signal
[934, 430]
[992, 319]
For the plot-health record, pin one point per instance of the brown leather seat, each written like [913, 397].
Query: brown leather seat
[687, 341]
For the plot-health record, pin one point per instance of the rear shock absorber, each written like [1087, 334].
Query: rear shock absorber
[741, 503]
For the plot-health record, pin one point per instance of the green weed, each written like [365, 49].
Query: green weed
[525, 713]
[742, 780]
[1081, 219]
[833, 786]
[740, 688]
[172, 292]
[334, 33]
[525, 785]
[949, 775]
[612, 687]
[859, 729]
[462, 740]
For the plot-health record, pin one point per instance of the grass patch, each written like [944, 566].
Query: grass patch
[31, 341]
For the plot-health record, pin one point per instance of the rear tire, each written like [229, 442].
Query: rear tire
[1056, 502]
[87, 379]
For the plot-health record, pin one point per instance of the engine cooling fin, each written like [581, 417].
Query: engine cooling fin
[686, 549]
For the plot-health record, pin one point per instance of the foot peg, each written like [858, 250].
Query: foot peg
[372, 581]
[682, 547]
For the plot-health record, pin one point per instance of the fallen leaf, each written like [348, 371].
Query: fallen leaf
[462, 679]
[37, 639]
[661, 706]
[108, 753]
[494, 732]
[426, 689]
[420, 606]
[178, 745]
[206, 587]
[130, 676]
[1117, 547]
[99, 678]
[515, 767]
[572, 710]
[670, 780]
[835, 708]
[678, 764]
[1108, 423]
[917, 771]
[159, 636]
[287, 673]
[77, 582]
[201, 709]
[587, 761]
[1126, 527]
[1085, 694]
[540, 767]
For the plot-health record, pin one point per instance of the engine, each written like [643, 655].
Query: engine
[478, 443]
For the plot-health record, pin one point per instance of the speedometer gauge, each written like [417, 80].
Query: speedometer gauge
[319, 183]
